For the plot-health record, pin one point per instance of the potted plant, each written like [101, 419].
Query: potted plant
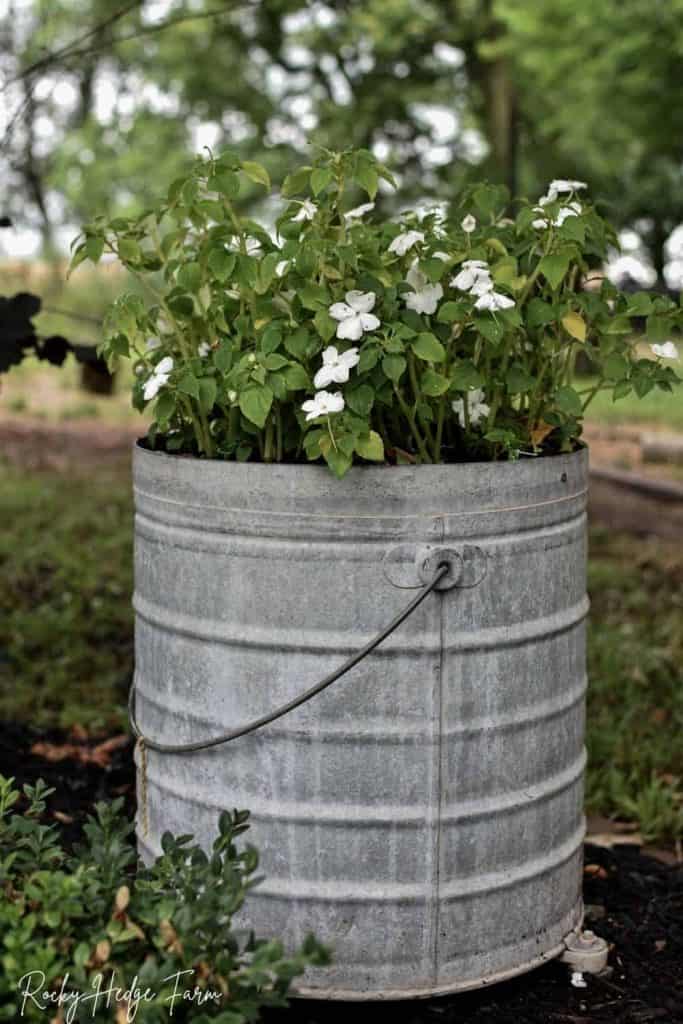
[424, 814]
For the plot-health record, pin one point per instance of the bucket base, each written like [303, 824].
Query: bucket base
[434, 992]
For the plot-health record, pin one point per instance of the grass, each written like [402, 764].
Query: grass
[65, 585]
[66, 635]
[658, 408]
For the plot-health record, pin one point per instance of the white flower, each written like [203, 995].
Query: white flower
[561, 185]
[476, 407]
[281, 268]
[439, 255]
[424, 297]
[493, 300]
[474, 277]
[468, 224]
[152, 343]
[253, 246]
[354, 315]
[232, 396]
[406, 240]
[578, 980]
[323, 404]
[358, 211]
[307, 211]
[666, 351]
[159, 378]
[204, 349]
[335, 367]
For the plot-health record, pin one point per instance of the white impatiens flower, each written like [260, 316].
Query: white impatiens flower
[477, 408]
[474, 277]
[354, 315]
[666, 351]
[281, 268]
[253, 246]
[561, 185]
[336, 367]
[359, 211]
[323, 404]
[159, 378]
[204, 349]
[493, 301]
[425, 296]
[152, 343]
[306, 211]
[439, 255]
[405, 241]
[468, 224]
[578, 980]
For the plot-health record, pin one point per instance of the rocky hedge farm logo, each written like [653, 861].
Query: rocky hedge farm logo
[106, 992]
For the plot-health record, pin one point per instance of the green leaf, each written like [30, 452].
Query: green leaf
[165, 406]
[275, 362]
[433, 384]
[338, 461]
[312, 296]
[554, 267]
[298, 343]
[225, 182]
[369, 357]
[129, 250]
[427, 347]
[367, 177]
[489, 327]
[256, 172]
[320, 179]
[568, 401]
[94, 247]
[450, 311]
[639, 304]
[623, 388]
[255, 402]
[189, 384]
[371, 447]
[394, 367]
[539, 313]
[615, 367]
[190, 277]
[360, 399]
[296, 377]
[518, 380]
[207, 393]
[222, 263]
[222, 357]
[271, 338]
[324, 324]
[465, 376]
[296, 182]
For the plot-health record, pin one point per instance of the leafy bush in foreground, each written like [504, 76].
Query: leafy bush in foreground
[85, 937]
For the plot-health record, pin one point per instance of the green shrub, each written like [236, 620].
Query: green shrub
[119, 944]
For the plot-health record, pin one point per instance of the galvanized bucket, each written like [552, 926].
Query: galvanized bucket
[423, 815]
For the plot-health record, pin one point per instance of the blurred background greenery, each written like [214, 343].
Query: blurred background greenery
[105, 102]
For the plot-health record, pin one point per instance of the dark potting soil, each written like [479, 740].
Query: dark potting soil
[633, 901]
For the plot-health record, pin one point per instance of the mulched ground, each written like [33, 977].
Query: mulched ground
[634, 901]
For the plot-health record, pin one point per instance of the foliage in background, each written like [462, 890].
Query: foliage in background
[88, 921]
[61, 528]
[445, 92]
[461, 337]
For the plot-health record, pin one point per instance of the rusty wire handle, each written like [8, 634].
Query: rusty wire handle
[190, 748]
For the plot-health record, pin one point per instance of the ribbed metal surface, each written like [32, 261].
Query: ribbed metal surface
[424, 815]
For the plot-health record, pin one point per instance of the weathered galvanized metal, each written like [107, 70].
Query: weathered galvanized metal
[424, 815]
